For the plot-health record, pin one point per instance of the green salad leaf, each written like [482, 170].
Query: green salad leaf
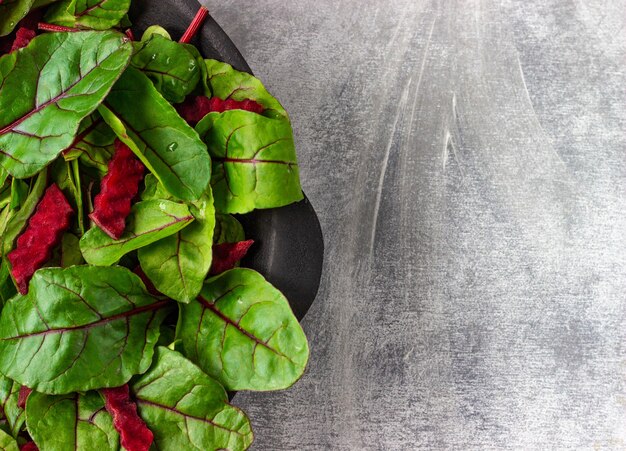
[11, 12]
[7, 443]
[149, 221]
[78, 329]
[152, 128]
[12, 413]
[228, 83]
[95, 144]
[47, 88]
[242, 332]
[186, 409]
[72, 421]
[177, 265]
[254, 161]
[171, 67]
[94, 14]
[7, 287]
[227, 229]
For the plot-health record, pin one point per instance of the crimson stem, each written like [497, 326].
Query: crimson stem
[51, 27]
[195, 25]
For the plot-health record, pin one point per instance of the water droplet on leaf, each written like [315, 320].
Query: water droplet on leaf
[172, 146]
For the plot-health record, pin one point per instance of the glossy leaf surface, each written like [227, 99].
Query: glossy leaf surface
[73, 421]
[242, 332]
[78, 329]
[47, 88]
[149, 221]
[186, 409]
[254, 161]
[152, 128]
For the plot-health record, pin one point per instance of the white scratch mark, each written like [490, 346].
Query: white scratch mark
[401, 107]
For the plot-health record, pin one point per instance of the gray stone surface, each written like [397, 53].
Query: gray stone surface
[467, 162]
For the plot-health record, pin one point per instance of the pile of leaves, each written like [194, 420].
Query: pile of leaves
[126, 319]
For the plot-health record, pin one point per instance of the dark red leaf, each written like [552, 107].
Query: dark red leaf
[45, 230]
[23, 36]
[30, 446]
[193, 109]
[23, 396]
[226, 255]
[117, 190]
[134, 434]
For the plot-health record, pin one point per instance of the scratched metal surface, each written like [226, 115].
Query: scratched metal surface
[467, 162]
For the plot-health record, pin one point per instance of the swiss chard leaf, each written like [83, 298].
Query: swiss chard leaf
[68, 253]
[186, 409]
[18, 222]
[254, 161]
[13, 414]
[73, 421]
[227, 230]
[11, 12]
[94, 145]
[148, 222]
[152, 128]
[228, 83]
[94, 14]
[242, 332]
[177, 265]
[7, 443]
[78, 329]
[171, 67]
[47, 88]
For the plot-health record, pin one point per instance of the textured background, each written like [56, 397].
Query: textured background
[467, 162]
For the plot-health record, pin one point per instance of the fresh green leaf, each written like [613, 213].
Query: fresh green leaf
[47, 88]
[177, 265]
[73, 421]
[70, 251]
[186, 409]
[164, 142]
[7, 443]
[18, 222]
[12, 413]
[173, 70]
[94, 14]
[149, 221]
[228, 83]
[203, 87]
[7, 287]
[242, 332]
[19, 192]
[65, 174]
[155, 30]
[11, 12]
[78, 329]
[227, 230]
[254, 161]
[95, 144]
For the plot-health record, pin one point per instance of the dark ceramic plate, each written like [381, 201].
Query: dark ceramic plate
[289, 248]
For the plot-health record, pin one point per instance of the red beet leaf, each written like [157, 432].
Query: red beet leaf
[23, 36]
[30, 446]
[23, 396]
[117, 190]
[44, 232]
[134, 434]
[194, 109]
[226, 255]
